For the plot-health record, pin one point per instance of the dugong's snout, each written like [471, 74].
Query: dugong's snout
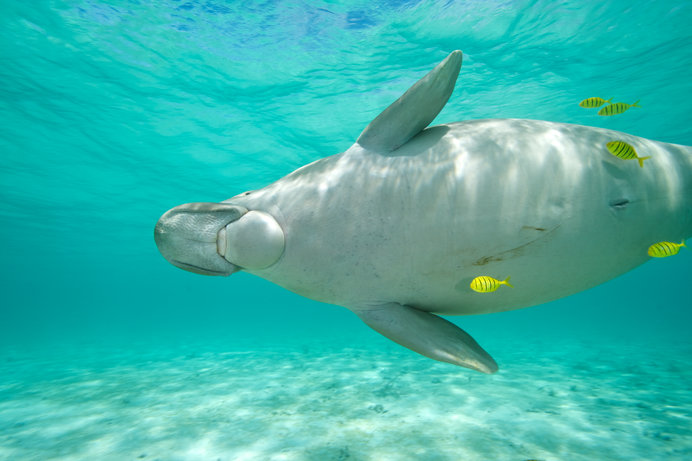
[187, 236]
[218, 238]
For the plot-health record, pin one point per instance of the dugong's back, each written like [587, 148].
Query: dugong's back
[542, 202]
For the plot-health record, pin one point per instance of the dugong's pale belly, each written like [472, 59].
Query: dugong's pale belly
[542, 202]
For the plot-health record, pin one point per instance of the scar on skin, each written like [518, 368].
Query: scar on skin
[514, 251]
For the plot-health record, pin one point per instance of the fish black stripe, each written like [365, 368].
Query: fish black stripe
[618, 147]
[660, 249]
[663, 248]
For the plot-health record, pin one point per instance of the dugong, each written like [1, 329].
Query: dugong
[396, 227]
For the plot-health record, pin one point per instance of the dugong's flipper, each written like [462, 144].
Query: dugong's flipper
[428, 334]
[414, 110]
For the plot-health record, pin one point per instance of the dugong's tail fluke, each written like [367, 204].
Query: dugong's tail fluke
[428, 334]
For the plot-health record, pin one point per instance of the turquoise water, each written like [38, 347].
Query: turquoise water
[114, 112]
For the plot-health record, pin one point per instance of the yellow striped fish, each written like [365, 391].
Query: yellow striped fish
[592, 103]
[663, 249]
[617, 108]
[622, 150]
[485, 284]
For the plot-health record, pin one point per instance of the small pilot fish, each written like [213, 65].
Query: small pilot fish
[591, 103]
[663, 249]
[617, 108]
[622, 150]
[485, 284]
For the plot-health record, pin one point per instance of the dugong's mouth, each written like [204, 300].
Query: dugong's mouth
[197, 269]
[187, 236]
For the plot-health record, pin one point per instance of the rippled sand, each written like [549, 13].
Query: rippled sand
[314, 401]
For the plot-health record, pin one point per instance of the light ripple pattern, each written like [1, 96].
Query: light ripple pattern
[580, 401]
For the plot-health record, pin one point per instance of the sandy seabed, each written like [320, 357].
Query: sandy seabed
[571, 401]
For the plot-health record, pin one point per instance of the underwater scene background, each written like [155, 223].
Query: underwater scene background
[113, 112]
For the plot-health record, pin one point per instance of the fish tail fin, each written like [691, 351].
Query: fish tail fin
[608, 100]
[682, 244]
[506, 282]
[641, 160]
[636, 104]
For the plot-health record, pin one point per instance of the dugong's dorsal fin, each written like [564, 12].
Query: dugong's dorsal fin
[414, 110]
